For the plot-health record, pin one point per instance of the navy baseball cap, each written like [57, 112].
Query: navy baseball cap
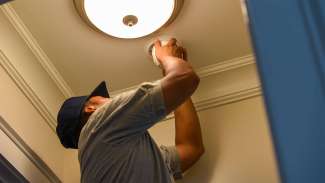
[69, 116]
[4, 1]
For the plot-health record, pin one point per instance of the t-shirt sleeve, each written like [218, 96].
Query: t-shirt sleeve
[153, 99]
[147, 105]
[172, 160]
[141, 109]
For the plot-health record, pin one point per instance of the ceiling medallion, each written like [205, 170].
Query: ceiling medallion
[128, 19]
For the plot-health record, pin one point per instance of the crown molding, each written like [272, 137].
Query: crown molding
[27, 91]
[41, 56]
[225, 65]
[28, 152]
[203, 72]
[224, 99]
[228, 97]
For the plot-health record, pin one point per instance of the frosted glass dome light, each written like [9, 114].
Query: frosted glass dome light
[128, 18]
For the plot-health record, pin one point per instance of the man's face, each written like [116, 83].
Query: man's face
[94, 103]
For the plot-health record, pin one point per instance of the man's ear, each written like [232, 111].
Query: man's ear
[89, 109]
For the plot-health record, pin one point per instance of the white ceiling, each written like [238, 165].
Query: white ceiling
[211, 30]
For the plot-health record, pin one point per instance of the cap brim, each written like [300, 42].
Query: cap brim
[100, 90]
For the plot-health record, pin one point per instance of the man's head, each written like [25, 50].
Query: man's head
[75, 112]
[91, 105]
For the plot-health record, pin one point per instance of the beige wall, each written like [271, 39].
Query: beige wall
[23, 59]
[16, 157]
[237, 142]
[71, 167]
[18, 110]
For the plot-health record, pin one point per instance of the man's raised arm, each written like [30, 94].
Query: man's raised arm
[179, 81]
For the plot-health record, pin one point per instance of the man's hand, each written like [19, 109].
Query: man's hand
[170, 49]
[180, 80]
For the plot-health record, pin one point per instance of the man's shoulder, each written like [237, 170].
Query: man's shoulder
[142, 87]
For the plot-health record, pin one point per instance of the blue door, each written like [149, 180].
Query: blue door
[289, 42]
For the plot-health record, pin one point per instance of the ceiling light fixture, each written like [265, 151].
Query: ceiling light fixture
[128, 18]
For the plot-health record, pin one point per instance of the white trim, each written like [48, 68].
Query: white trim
[29, 153]
[41, 56]
[27, 91]
[224, 99]
[228, 98]
[210, 70]
[225, 65]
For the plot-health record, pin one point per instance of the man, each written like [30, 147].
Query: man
[111, 133]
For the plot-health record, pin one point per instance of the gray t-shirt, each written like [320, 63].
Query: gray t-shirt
[115, 146]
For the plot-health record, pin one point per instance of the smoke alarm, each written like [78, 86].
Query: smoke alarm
[150, 47]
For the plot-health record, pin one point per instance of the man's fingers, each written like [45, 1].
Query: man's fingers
[172, 42]
[157, 44]
[171, 49]
[179, 52]
[184, 54]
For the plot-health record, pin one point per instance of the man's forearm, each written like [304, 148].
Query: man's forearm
[179, 83]
[188, 134]
[188, 130]
[173, 65]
